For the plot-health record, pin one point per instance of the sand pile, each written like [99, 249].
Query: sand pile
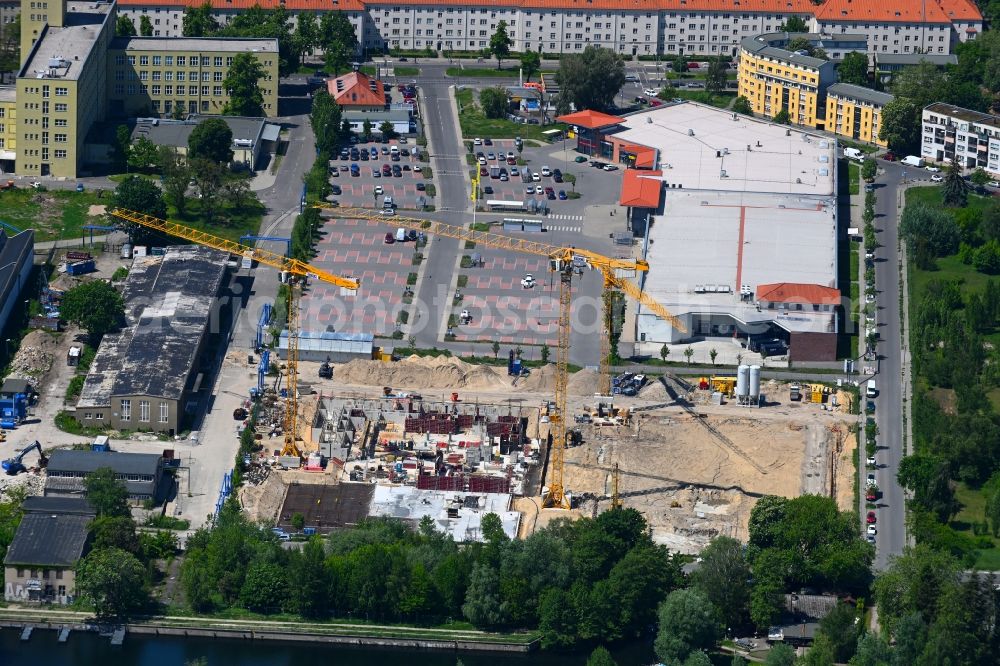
[420, 373]
[542, 380]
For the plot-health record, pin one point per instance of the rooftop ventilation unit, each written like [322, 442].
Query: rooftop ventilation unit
[722, 174]
[690, 132]
[798, 181]
[649, 120]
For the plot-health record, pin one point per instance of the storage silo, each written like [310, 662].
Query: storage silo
[754, 382]
[743, 381]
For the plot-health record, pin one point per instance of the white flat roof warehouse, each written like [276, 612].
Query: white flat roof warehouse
[701, 147]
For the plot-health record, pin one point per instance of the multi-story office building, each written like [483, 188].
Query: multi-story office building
[75, 74]
[970, 137]
[775, 80]
[855, 112]
[155, 75]
[657, 27]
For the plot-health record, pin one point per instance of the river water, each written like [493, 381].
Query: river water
[88, 649]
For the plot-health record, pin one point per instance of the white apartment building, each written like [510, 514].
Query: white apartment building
[653, 27]
[970, 136]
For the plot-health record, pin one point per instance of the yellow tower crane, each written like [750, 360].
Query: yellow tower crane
[292, 267]
[562, 261]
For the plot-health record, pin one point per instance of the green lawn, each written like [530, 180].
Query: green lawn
[53, 214]
[481, 72]
[475, 124]
[231, 224]
[973, 510]
[853, 177]
[719, 100]
[404, 70]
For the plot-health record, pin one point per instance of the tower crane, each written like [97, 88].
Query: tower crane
[300, 270]
[562, 260]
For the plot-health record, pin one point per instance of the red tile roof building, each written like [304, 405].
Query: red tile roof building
[357, 91]
[631, 27]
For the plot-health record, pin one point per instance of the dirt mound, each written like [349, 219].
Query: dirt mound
[542, 380]
[421, 373]
[35, 356]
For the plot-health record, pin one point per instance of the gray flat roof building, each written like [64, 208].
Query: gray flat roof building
[68, 468]
[16, 262]
[859, 93]
[61, 53]
[248, 134]
[140, 375]
[197, 44]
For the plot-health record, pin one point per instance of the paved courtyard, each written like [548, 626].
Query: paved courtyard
[357, 248]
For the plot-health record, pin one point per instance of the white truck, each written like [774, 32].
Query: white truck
[870, 390]
[854, 154]
[912, 160]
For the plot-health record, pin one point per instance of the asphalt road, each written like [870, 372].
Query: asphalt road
[891, 537]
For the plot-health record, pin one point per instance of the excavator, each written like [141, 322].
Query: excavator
[14, 466]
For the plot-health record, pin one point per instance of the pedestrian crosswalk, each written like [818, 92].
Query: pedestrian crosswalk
[579, 218]
[561, 227]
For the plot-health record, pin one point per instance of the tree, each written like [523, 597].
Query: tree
[679, 65]
[141, 195]
[387, 130]
[265, 588]
[724, 578]
[306, 32]
[339, 41]
[200, 21]
[868, 170]
[10, 45]
[980, 177]
[107, 494]
[688, 353]
[237, 189]
[496, 349]
[912, 584]
[242, 82]
[121, 147]
[955, 192]
[742, 106]
[530, 62]
[698, 658]
[325, 119]
[124, 27]
[664, 352]
[933, 228]
[782, 117]
[366, 130]
[210, 176]
[853, 69]
[494, 102]
[115, 532]
[96, 306]
[715, 78]
[113, 580]
[794, 24]
[841, 627]
[601, 657]
[211, 140]
[482, 605]
[900, 125]
[176, 176]
[872, 651]
[145, 26]
[590, 80]
[780, 654]
[545, 352]
[500, 43]
[712, 354]
[687, 622]
[142, 154]
[920, 85]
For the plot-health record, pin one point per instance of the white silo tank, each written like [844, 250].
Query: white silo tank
[743, 381]
[754, 381]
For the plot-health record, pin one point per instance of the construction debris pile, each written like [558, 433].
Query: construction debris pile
[429, 445]
[35, 356]
[421, 372]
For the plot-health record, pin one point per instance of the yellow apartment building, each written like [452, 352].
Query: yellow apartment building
[775, 79]
[152, 76]
[75, 73]
[855, 112]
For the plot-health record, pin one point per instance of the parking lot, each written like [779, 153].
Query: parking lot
[501, 307]
[386, 172]
[358, 248]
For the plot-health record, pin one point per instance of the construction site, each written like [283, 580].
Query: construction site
[443, 438]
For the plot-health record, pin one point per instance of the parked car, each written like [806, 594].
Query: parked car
[488, 142]
[580, 158]
[610, 167]
[483, 171]
[649, 92]
[389, 239]
[871, 519]
[889, 156]
[488, 190]
[871, 461]
[870, 479]
[932, 168]
[546, 171]
[538, 189]
[871, 532]
[562, 195]
[937, 178]
[421, 187]
[477, 141]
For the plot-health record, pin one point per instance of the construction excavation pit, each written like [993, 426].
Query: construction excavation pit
[452, 440]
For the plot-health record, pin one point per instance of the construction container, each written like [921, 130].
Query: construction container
[101, 444]
[81, 267]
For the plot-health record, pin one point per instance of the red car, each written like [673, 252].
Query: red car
[483, 171]
[871, 518]
[389, 239]
[889, 156]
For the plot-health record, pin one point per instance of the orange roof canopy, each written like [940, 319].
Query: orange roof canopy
[589, 119]
[641, 189]
[797, 292]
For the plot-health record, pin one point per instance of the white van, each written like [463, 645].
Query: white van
[400, 234]
[871, 391]
[394, 150]
[387, 202]
[853, 153]
[912, 160]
